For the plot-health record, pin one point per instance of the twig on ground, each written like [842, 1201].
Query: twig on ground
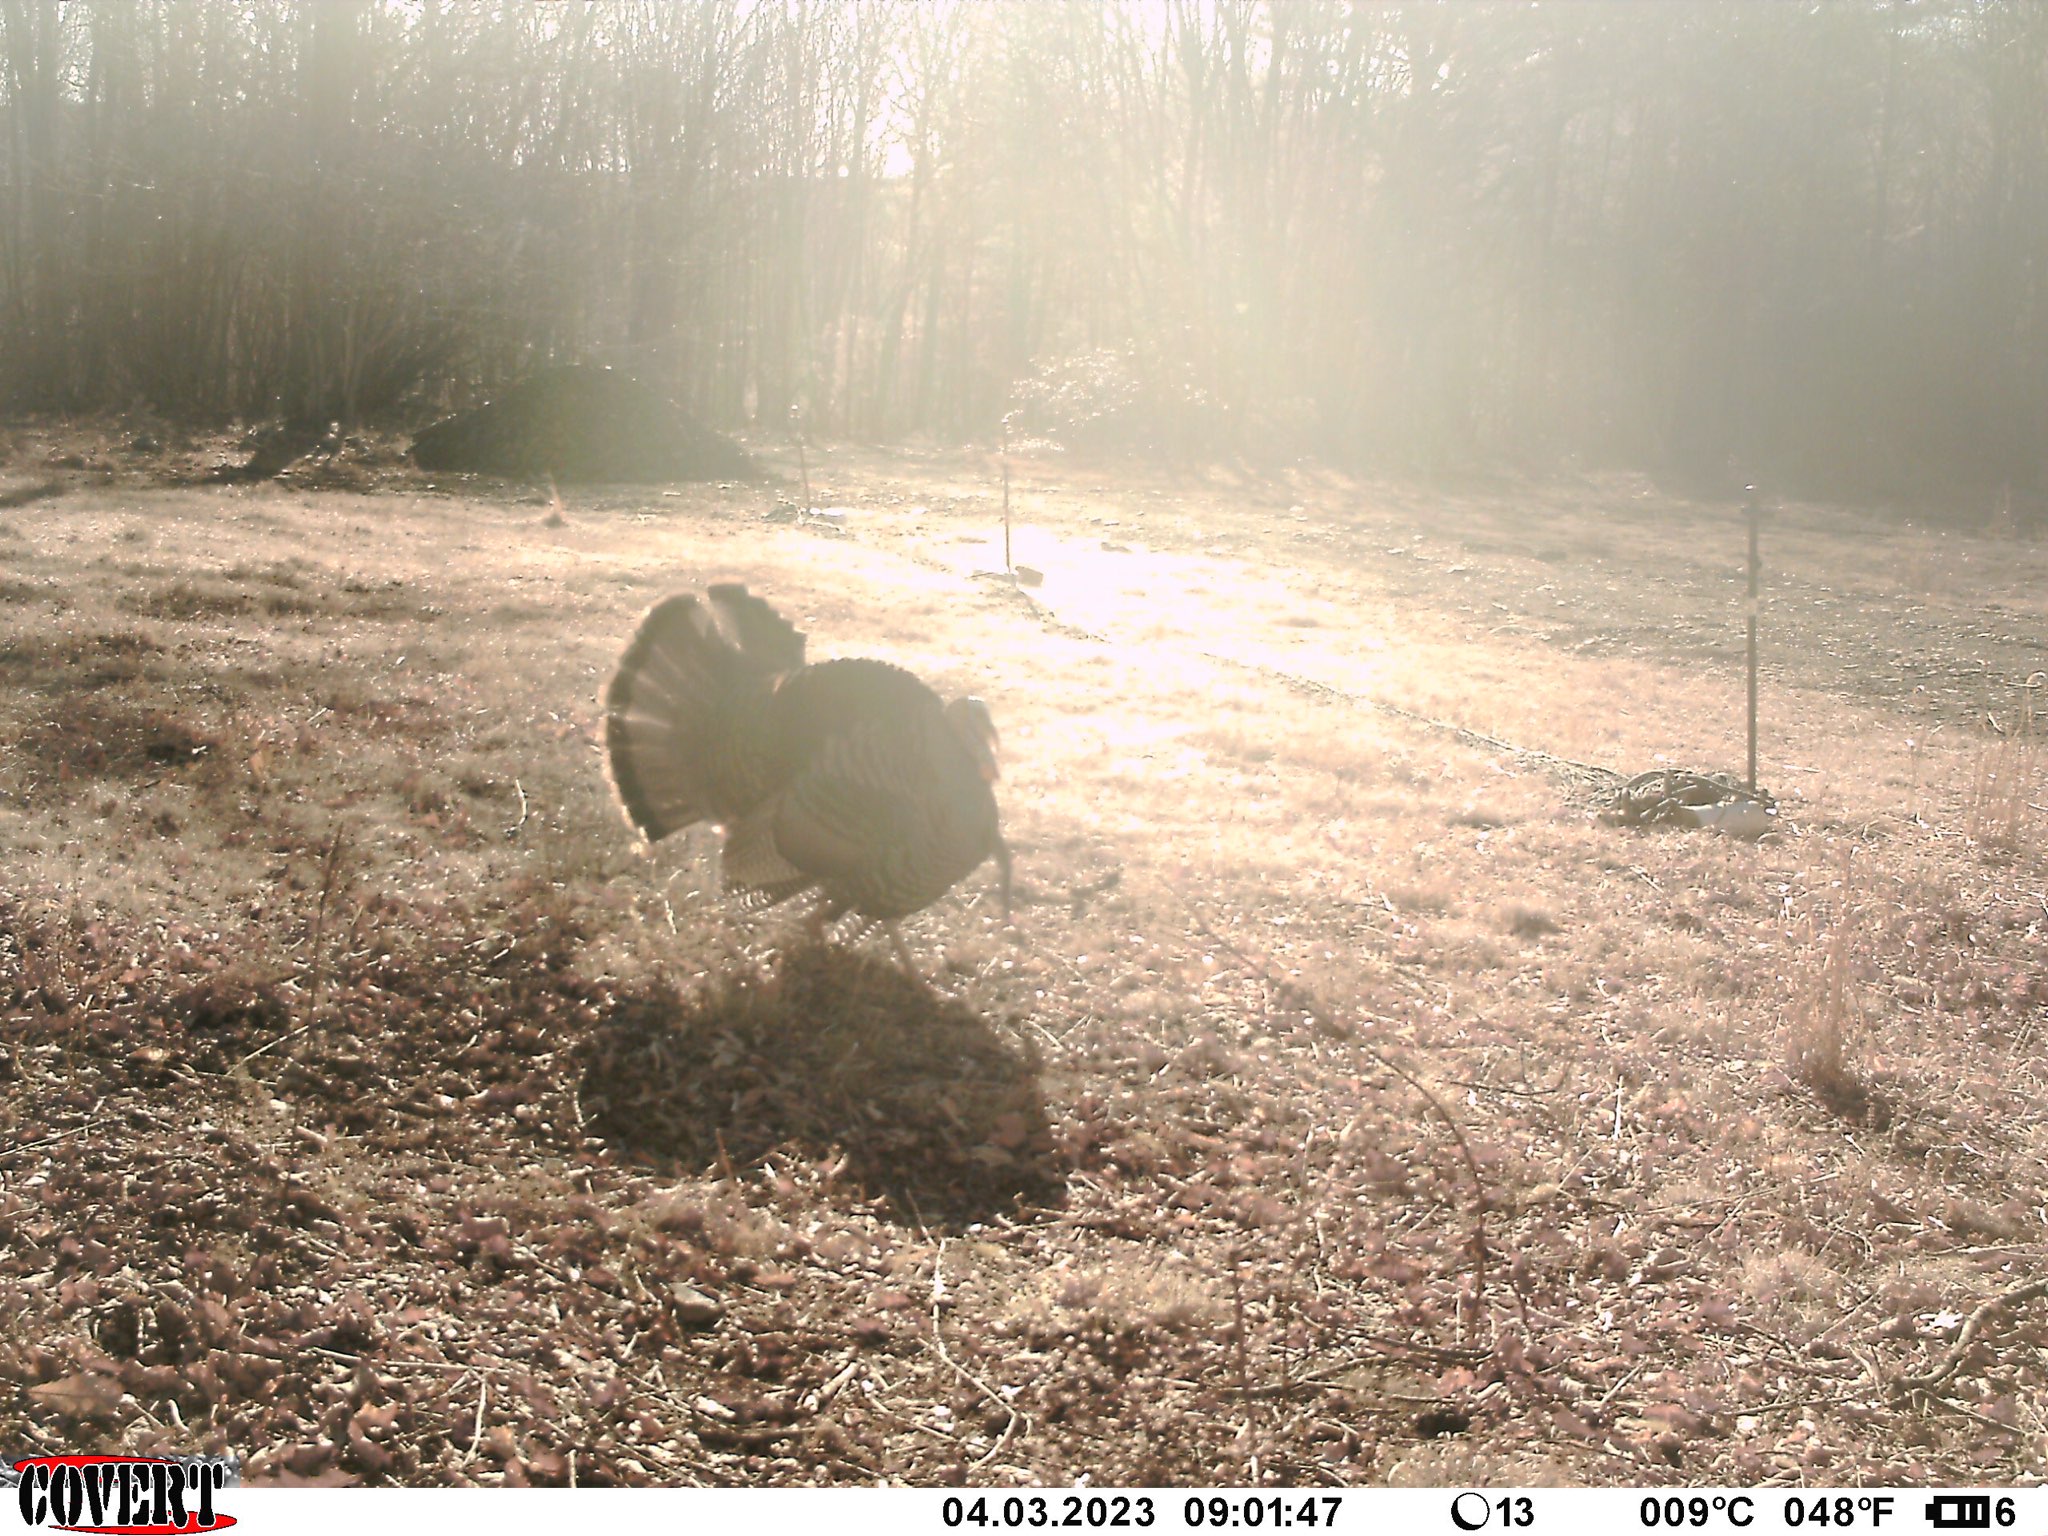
[1947, 1366]
[987, 1391]
[1237, 1330]
[315, 969]
[77, 1130]
[1615, 1391]
[483, 1398]
[273, 1043]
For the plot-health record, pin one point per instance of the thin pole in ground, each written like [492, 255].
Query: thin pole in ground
[1751, 513]
[803, 463]
[1008, 564]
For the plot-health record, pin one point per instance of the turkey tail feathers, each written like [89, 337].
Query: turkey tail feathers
[671, 703]
[667, 685]
[770, 642]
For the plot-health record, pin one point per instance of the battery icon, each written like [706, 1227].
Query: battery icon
[1960, 1512]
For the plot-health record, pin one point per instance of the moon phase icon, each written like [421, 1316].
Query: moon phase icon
[1469, 1511]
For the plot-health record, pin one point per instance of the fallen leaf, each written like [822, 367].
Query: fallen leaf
[86, 1395]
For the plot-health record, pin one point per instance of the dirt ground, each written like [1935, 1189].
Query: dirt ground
[1348, 1104]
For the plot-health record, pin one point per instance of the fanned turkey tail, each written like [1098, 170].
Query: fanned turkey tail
[682, 709]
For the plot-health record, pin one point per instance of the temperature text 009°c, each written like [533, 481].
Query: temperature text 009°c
[1673, 1511]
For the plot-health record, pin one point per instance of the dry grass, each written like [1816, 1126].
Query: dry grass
[355, 1057]
[2007, 787]
[1826, 1020]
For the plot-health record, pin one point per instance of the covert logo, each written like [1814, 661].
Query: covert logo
[123, 1495]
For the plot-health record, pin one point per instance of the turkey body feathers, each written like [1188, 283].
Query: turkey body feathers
[885, 805]
[850, 778]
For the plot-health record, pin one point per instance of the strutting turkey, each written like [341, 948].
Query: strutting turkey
[849, 778]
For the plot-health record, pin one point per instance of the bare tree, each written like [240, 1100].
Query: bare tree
[1728, 240]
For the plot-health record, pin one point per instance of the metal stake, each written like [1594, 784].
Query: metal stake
[1008, 564]
[1751, 513]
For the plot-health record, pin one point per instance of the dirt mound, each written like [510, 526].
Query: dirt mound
[588, 424]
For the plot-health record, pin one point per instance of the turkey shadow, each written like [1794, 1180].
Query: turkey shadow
[832, 1055]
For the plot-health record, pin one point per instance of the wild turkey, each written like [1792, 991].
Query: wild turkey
[848, 778]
